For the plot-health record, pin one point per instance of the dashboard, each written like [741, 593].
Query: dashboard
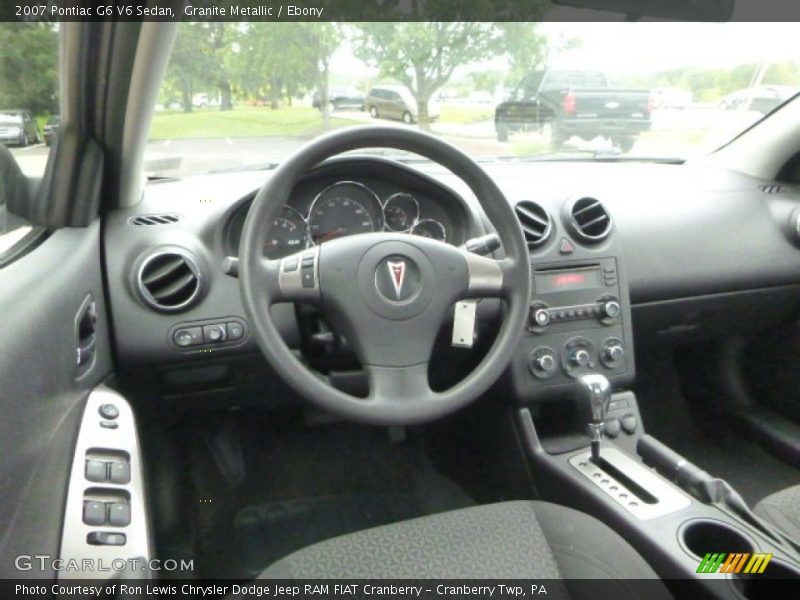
[690, 252]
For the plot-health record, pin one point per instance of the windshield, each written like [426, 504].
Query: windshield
[254, 92]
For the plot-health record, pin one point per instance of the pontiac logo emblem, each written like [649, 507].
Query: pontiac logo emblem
[397, 279]
[397, 271]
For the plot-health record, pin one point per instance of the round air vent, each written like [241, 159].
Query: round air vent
[535, 222]
[163, 219]
[589, 220]
[169, 280]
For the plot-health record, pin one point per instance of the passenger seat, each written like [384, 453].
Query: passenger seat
[782, 509]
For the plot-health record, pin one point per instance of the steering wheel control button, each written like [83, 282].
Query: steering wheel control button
[214, 334]
[397, 279]
[629, 423]
[119, 472]
[94, 512]
[105, 538]
[119, 514]
[235, 331]
[108, 411]
[290, 264]
[188, 336]
[612, 427]
[96, 471]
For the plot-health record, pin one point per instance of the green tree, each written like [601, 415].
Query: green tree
[29, 66]
[527, 49]
[423, 55]
[190, 63]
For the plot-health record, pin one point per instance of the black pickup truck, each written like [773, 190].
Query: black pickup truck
[566, 103]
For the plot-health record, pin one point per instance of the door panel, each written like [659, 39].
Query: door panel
[43, 388]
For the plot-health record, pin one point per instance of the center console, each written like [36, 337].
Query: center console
[587, 445]
[579, 318]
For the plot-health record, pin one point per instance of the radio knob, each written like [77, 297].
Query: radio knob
[546, 363]
[611, 309]
[541, 317]
[580, 358]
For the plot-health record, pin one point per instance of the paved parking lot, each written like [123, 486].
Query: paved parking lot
[673, 133]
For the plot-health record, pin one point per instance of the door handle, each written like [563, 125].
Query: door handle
[85, 334]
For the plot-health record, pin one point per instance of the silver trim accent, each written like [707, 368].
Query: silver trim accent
[92, 436]
[669, 499]
[414, 221]
[145, 294]
[435, 222]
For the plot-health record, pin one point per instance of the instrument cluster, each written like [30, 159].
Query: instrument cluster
[348, 207]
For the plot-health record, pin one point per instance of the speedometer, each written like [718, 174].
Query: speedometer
[345, 208]
[287, 234]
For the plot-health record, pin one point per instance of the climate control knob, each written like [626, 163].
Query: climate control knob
[580, 358]
[612, 353]
[542, 362]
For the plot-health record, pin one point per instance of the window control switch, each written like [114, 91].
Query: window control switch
[119, 514]
[106, 538]
[94, 512]
[119, 472]
[96, 471]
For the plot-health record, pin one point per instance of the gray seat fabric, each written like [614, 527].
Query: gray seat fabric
[520, 539]
[782, 509]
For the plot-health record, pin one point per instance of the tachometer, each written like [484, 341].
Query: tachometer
[345, 208]
[400, 212]
[287, 234]
[430, 228]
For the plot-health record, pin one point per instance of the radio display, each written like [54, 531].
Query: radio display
[567, 279]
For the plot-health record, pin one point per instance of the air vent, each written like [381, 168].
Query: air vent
[169, 281]
[589, 220]
[165, 219]
[771, 188]
[535, 222]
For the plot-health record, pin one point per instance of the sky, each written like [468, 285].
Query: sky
[650, 46]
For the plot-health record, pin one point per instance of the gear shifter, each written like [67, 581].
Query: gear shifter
[594, 396]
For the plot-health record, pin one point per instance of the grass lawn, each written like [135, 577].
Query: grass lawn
[246, 121]
[451, 113]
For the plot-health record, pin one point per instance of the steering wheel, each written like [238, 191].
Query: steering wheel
[387, 293]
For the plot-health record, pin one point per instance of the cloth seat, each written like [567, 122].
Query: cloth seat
[782, 509]
[508, 540]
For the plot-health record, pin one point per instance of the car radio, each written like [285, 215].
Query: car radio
[578, 322]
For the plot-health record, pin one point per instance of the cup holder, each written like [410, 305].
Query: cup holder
[703, 536]
[767, 585]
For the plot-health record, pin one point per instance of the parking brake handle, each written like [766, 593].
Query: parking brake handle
[701, 485]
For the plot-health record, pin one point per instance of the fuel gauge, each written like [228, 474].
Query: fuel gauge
[430, 228]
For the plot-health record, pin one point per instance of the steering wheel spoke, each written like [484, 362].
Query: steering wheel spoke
[395, 384]
[488, 278]
[294, 278]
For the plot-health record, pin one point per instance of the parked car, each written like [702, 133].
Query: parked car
[341, 98]
[762, 99]
[396, 102]
[570, 102]
[51, 129]
[18, 127]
